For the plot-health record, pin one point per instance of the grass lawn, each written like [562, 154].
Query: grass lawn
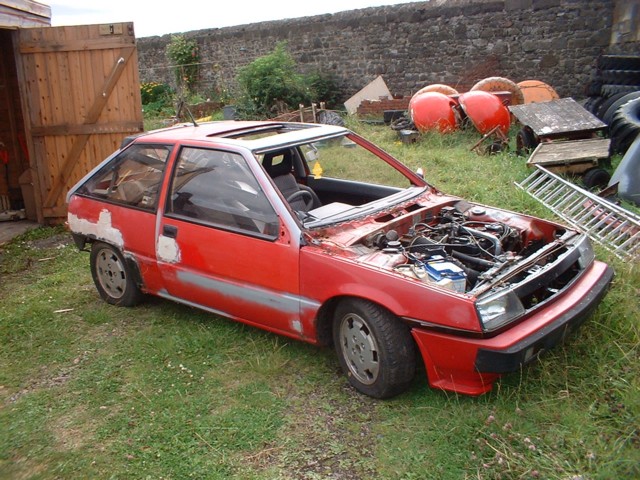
[88, 390]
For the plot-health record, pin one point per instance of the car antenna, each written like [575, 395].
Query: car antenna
[182, 105]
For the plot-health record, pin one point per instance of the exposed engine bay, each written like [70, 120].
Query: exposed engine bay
[467, 252]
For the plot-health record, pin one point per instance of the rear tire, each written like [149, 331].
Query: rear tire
[113, 276]
[596, 178]
[375, 350]
[526, 141]
[618, 62]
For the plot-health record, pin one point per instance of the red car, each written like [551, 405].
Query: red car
[312, 232]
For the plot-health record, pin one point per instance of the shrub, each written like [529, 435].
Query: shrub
[152, 92]
[324, 88]
[271, 84]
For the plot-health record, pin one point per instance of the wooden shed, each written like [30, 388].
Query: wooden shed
[68, 95]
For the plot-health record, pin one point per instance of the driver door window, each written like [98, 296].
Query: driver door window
[217, 188]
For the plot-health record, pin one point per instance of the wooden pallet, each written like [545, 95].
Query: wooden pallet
[575, 156]
[559, 118]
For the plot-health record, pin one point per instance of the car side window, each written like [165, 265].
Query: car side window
[218, 188]
[131, 178]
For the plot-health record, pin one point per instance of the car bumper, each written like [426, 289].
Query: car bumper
[471, 365]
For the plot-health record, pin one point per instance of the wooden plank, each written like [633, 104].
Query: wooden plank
[52, 153]
[83, 44]
[558, 117]
[24, 14]
[570, 152]
[92, 117]
[26, 73]
[76, 102]
[84, 129]
[55, 212]
[29, 6]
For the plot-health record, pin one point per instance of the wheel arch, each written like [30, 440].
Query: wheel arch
[129, 258]
[324, 317]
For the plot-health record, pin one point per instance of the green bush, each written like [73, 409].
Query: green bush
[152, 92]
[271, 84]
[157, 99]
[324, 88]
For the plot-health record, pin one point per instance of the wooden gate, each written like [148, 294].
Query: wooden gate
[80, 94]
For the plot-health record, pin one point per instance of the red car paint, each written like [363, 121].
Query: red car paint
[286, 272]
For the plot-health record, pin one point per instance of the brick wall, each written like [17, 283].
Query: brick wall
[376, 107]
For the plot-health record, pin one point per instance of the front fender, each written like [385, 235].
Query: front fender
[324, 277]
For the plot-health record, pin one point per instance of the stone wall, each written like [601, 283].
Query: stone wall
[456, 42]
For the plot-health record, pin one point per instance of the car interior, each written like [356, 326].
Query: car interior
[279, 166]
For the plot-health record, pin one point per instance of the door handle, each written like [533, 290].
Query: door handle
[170, 231]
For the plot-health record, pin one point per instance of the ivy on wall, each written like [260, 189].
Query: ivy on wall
[185, 58]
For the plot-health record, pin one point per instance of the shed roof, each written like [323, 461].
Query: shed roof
[24, 13]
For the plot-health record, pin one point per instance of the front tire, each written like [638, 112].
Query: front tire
[375, 350]
[113, 277]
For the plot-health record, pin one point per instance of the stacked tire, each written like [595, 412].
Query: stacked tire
[614, 85]
[625, 125]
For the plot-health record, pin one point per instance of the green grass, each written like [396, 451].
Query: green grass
[88, 390]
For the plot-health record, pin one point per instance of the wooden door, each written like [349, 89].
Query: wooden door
[80, 93]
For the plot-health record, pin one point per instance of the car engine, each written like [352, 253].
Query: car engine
[463, 251]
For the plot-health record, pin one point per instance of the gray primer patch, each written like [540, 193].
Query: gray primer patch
[283, 302]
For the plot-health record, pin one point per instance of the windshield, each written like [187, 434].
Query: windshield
[342, 158]
[345, 177]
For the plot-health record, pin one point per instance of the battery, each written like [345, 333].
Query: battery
[446, 274]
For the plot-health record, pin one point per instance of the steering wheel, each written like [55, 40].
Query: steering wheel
[306, 197]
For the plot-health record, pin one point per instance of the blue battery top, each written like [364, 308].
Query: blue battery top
[439, 269]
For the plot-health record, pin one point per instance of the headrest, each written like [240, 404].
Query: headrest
[278, 163]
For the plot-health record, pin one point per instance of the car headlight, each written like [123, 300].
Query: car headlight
[498, 309]
[587, 255]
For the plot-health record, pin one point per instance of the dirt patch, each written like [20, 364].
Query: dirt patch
[23, 468]
[324, 437]
[47, 379]
[73, 430]
[55, 241]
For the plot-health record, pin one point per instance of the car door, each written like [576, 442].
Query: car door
[222, 246]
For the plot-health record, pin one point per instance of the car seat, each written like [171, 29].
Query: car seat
[279, 166]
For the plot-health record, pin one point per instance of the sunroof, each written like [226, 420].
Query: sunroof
[255, 133]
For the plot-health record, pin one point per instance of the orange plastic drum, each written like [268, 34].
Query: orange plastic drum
[501, 84]
[433, 111]
[438, 87]
[485, 111]
[535, 91]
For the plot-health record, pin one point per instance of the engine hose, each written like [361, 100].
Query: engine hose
[468, 258]
[487, 236]
[471, 274]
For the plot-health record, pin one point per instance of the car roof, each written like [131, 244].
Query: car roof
[244, 133]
